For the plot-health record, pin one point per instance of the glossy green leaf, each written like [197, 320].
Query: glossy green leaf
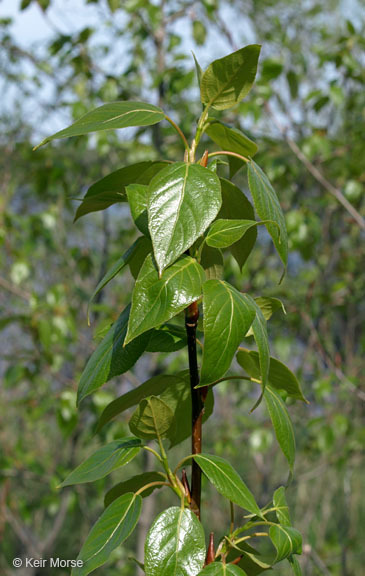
[268, 307]
[113, 527]
[153, 386]
[268, 208]
[230, 139]
[286, 540]
[153, 418]
[137, 198]
[105, 460]
[175, 544]
[111, 358]
[183, 200]
[282, 424]
[111, 116]
[136, 260]
[117, 267]
[112, 188]
[228, 314]
[220, 569]
[167, 338]
[133, 485]
[156, 300]
[227, 80]
[236, 206]
[178, 398]
[211, 260]
[224, 233]
[227, 481]
[281, 507]
[280, 377]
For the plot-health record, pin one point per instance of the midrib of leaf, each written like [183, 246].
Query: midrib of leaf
[114, 531]
[178, 538]
[222, 90]
[130, 112]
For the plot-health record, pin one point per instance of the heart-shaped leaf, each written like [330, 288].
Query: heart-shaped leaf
[287, 541]
[111, 529]
[175, 544]
[227, 481]
[111, 358]
[105, 460]
[268, 208]
[133, 485]
[282, 424]
[111, 116]
[153, 418]
[156, 300]
[153, 386]
[228, 314]
[220, 569]
[112, 188]
[280, 377]
[183, 200]
[227, 80]
[236, 206]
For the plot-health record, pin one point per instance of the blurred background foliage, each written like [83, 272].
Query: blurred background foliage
[307, 115]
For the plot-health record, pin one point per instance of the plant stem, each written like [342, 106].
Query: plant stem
[197, 403]
[179, 131]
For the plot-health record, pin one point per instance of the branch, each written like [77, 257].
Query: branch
[315, 172]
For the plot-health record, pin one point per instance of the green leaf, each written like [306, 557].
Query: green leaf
[112, 188]
[183, 200]
[293, 561]
[199, 71]
[227, 481]
[137, 197]
[143, 248]
[236, 206]
[220, 569]
[154, 299]
[115, 269]
[281, 507]
[228, 314]
[110, 116]
[178, 398]
[267, 306]
[230, 139]
[152, 419]
[111, 358]
[286, 540]
[227, 80]
[253, 564]
[224, 233]
[133, 485]
[280, 377]
[105, 460]
[113, 527]
[268, 208]
[211, 260]
[282, 424]
[153, 386]
[259, 330]
[167, 338]
[175, 544]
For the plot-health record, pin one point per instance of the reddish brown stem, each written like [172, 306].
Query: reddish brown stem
[210, 552]
[197, 402]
